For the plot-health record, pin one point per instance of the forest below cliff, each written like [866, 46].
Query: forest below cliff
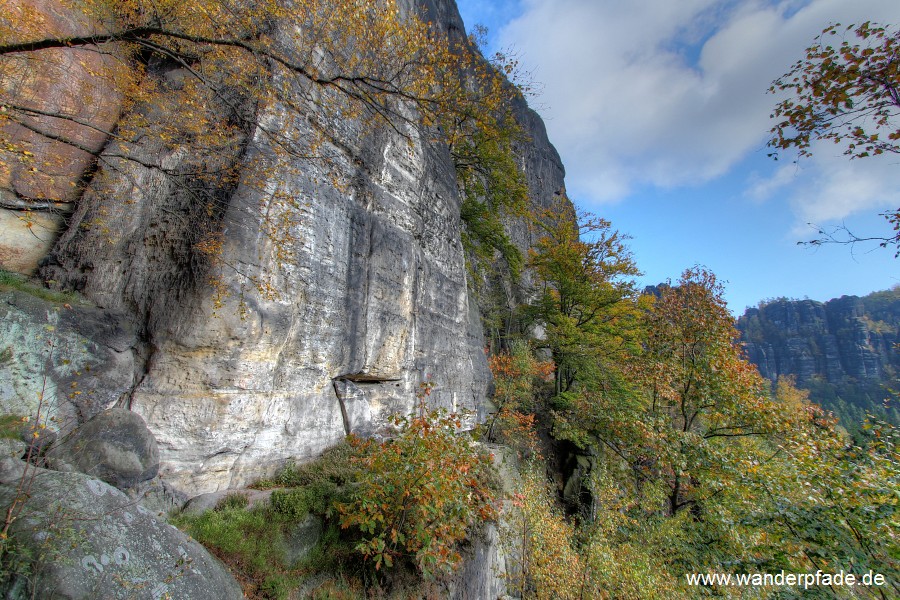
[844, 351]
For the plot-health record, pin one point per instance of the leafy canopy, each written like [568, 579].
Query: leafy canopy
[846, 91]
[583, 271]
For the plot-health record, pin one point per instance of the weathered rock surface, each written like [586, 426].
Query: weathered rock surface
[489, 561]
[483, 571]
[115, 446]
[835, 340]
[373, 301]
[78, 358]
[99, 543]
[77, 84]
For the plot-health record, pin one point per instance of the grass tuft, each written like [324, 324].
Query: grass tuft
[14, 281]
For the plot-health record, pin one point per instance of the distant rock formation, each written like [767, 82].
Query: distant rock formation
[847, 344]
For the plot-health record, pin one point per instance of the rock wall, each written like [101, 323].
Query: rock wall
[836, 340]
[79, 82]
[371, 300]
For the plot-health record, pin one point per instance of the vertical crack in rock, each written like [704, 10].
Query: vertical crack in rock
[358, 284]
[142, 351]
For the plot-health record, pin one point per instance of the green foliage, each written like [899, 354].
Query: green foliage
[234, 501]
[706, 406]
[252, 541]
[585, 298]
[696, 465]
[14, 281]
[418, 494]
[338, 589]
[486, 166]
[623, 533]
[550, 566]
[852, 402]
[16, 567]
[333, 466]
[298, 502]
[431, 475]
[484, 236]
[492, 186]
[517, 377]
[835, 506]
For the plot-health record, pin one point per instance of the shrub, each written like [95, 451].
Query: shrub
[317, 497]
[332, 467]
[232, 502]
[418, 494]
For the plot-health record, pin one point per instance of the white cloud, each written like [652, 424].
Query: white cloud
[671, 93]
[837, 188]
[829, 187]
[761, 189]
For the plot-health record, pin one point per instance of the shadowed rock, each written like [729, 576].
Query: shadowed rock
[114, 446]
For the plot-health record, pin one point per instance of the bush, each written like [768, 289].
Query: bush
[232, 502]
[296, 503]
[418, 494]
[332, 467]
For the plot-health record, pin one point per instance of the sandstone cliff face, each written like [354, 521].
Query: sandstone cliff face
[373, 297]
[836, 341]
[64, 75]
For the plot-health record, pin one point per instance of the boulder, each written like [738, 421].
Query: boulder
[116, 447]
[64, 360]
[98, 543]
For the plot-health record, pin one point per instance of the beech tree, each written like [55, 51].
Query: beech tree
[846, 91]
[704, 397]
[585, 274]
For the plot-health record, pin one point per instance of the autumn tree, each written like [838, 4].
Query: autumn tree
[685, 405]
[584, 273]
[846, 91]
[704, 397]
[517, 375]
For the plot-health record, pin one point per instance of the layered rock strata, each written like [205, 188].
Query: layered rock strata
[371, 291]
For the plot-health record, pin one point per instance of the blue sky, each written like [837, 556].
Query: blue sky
[660, 113]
